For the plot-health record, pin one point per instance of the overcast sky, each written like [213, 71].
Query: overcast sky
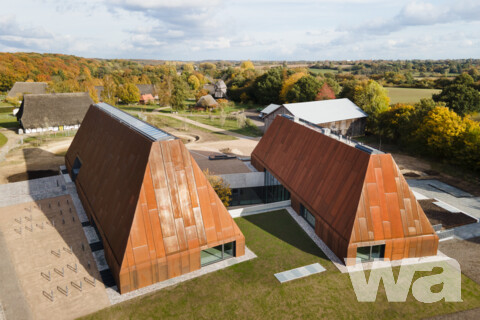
[244, 29]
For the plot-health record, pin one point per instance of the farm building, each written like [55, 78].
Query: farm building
[21, 88]
[220, 90]
[268, 109]
[354, 197]
[146, 98]
[147, 89]
[157, 215]
[206, 102]
[53, 112]
[339, 115]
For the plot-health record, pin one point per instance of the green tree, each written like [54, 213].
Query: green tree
[267, 87]
[461, 98]
[305, 89]
[371, 97]
[129, 93]
[179, 93]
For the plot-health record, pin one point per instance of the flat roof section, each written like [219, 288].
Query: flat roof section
[146, 129]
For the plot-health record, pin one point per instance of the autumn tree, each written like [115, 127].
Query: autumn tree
[289, 83]
[221, 187]
[194, 82]
[247, 65]
[371, 97]
[128, 93]
[188, 67]
[109, 93]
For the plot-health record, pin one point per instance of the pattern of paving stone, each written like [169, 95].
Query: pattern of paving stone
[468, 231]
[298, 273]
[99, 257]
[469, 205]
[91, 234]
[31, 190]
[115, 296]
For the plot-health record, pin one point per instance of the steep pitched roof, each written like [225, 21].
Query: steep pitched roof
[21, 88]
[270, 108]
[206, 101]
[360, 194]
[146, 89]
[147, 195]
[220, 84]
[52, 110]
[326, 110]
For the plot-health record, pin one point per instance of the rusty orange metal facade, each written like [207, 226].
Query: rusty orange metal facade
[151, 203]
[358, 199]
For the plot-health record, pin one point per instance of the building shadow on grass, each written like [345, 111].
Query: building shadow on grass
[282, 226]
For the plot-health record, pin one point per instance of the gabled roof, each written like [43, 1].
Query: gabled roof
[326, 110]
[149, 199]
[206, 101]
[146, 89]
[27, 87]
[270, 108]
[146, 97]
[220, 84]
[52, 110]
[361, 195]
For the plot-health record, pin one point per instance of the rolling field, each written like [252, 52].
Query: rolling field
[409, 95]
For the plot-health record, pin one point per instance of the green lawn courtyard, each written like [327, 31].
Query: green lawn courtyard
[249, 290]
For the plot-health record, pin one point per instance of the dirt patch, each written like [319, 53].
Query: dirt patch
[447, 219]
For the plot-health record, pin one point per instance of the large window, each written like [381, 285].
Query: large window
[77, 164]
[218, 253]
[274, 191]
[308, 216]
[370, 253]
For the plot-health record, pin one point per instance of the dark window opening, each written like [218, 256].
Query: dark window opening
[274, 191]
[370, 253]
[308, 216]
[77, 164]
[218, 253]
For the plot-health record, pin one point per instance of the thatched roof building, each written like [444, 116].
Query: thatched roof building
[22, 88]
[146, 89]
[206, 102]
[53, 110]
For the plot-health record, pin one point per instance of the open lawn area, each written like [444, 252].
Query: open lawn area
[249, 290]
[322, 71]
[409, 95]
[230, 125]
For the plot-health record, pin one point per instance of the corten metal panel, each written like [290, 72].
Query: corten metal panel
[153, 206]
[355, 197]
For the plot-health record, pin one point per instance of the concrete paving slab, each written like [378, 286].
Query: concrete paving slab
[298, 273]
[447, 207]
[468, 231]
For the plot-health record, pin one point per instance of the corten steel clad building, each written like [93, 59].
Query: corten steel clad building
[156, 212]
[354, 197]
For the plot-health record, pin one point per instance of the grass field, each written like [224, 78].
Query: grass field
[3, 140]
[322, 71]
[161, 121]
[249, 290]
[409, 95]
[230, 125]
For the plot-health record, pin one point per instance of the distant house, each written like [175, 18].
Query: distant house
[220, 90]
[146, 98]
[53, 112]
[210, 88]
[206, 102]
[325, 93]
[22, 88]
[341, 116]
[147, 89]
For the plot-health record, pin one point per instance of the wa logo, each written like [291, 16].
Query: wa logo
[448, 282]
